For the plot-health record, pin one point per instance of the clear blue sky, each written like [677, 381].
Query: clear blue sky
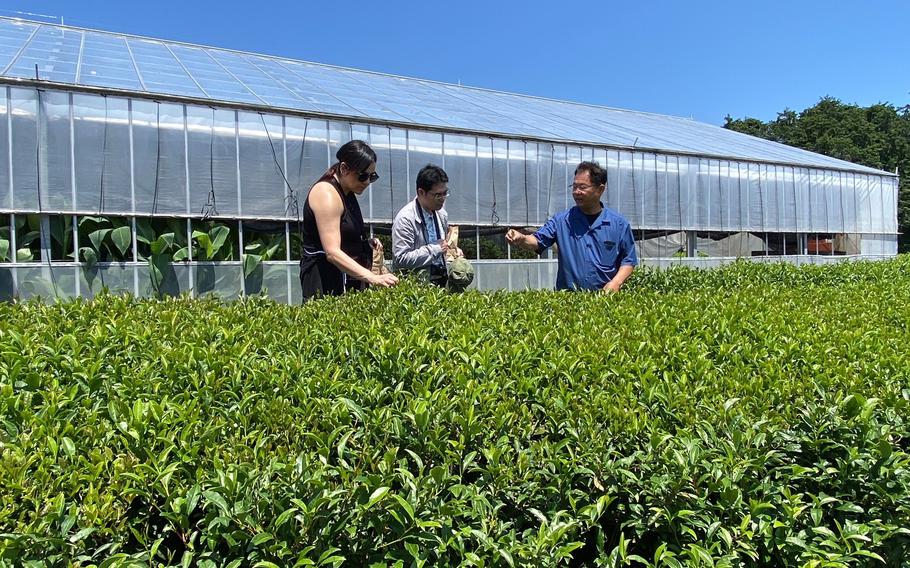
[700, 59]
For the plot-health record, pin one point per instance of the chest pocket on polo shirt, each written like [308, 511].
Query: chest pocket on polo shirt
[609, 250]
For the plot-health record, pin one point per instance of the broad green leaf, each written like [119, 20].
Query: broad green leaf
[219, 236]
[61, 231]
[123, 239]
[162, 244]
[144, 232]
[87, 221]
[25, 239]
[250, 263]
[97, 238]
[181, 254]
[88, 255]
[270, 252]
[204, 242]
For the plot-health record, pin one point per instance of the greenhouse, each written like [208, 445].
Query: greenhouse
[156, 167]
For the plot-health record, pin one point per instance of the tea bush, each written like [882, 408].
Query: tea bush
[752, 415]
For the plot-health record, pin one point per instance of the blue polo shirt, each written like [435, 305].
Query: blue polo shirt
[590, 254]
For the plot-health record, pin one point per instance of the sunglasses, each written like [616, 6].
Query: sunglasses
[364, 176]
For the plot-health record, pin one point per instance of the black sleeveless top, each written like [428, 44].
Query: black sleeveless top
[354, 241]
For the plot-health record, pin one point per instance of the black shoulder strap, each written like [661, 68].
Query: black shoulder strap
[421, 222]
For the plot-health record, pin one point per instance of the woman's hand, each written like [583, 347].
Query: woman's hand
[376, 244]
[383, 280]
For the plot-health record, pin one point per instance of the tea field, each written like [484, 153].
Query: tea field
[755, 415]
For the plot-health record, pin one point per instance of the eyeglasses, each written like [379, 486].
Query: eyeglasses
[438, 194]
[364, 176]
[581, 187]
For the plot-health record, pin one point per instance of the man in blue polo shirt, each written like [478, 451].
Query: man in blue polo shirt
[596, 248]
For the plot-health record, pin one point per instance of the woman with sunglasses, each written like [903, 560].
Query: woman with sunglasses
[337, 255]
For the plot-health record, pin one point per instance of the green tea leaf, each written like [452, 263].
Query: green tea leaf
[377, 496]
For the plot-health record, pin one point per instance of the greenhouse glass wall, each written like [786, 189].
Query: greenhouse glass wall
[156, 167]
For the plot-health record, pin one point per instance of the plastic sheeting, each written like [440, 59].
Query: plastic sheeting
[99, 59]
[106, 154]
[737, 244]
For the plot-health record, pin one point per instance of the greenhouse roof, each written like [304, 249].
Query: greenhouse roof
[110, 62]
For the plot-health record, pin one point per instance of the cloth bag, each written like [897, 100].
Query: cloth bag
[461, 272]
[379, 266]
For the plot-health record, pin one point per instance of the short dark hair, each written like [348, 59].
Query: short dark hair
[430, 175]
[597, 173]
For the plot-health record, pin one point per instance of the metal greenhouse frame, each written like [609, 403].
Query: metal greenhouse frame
[109, 143]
